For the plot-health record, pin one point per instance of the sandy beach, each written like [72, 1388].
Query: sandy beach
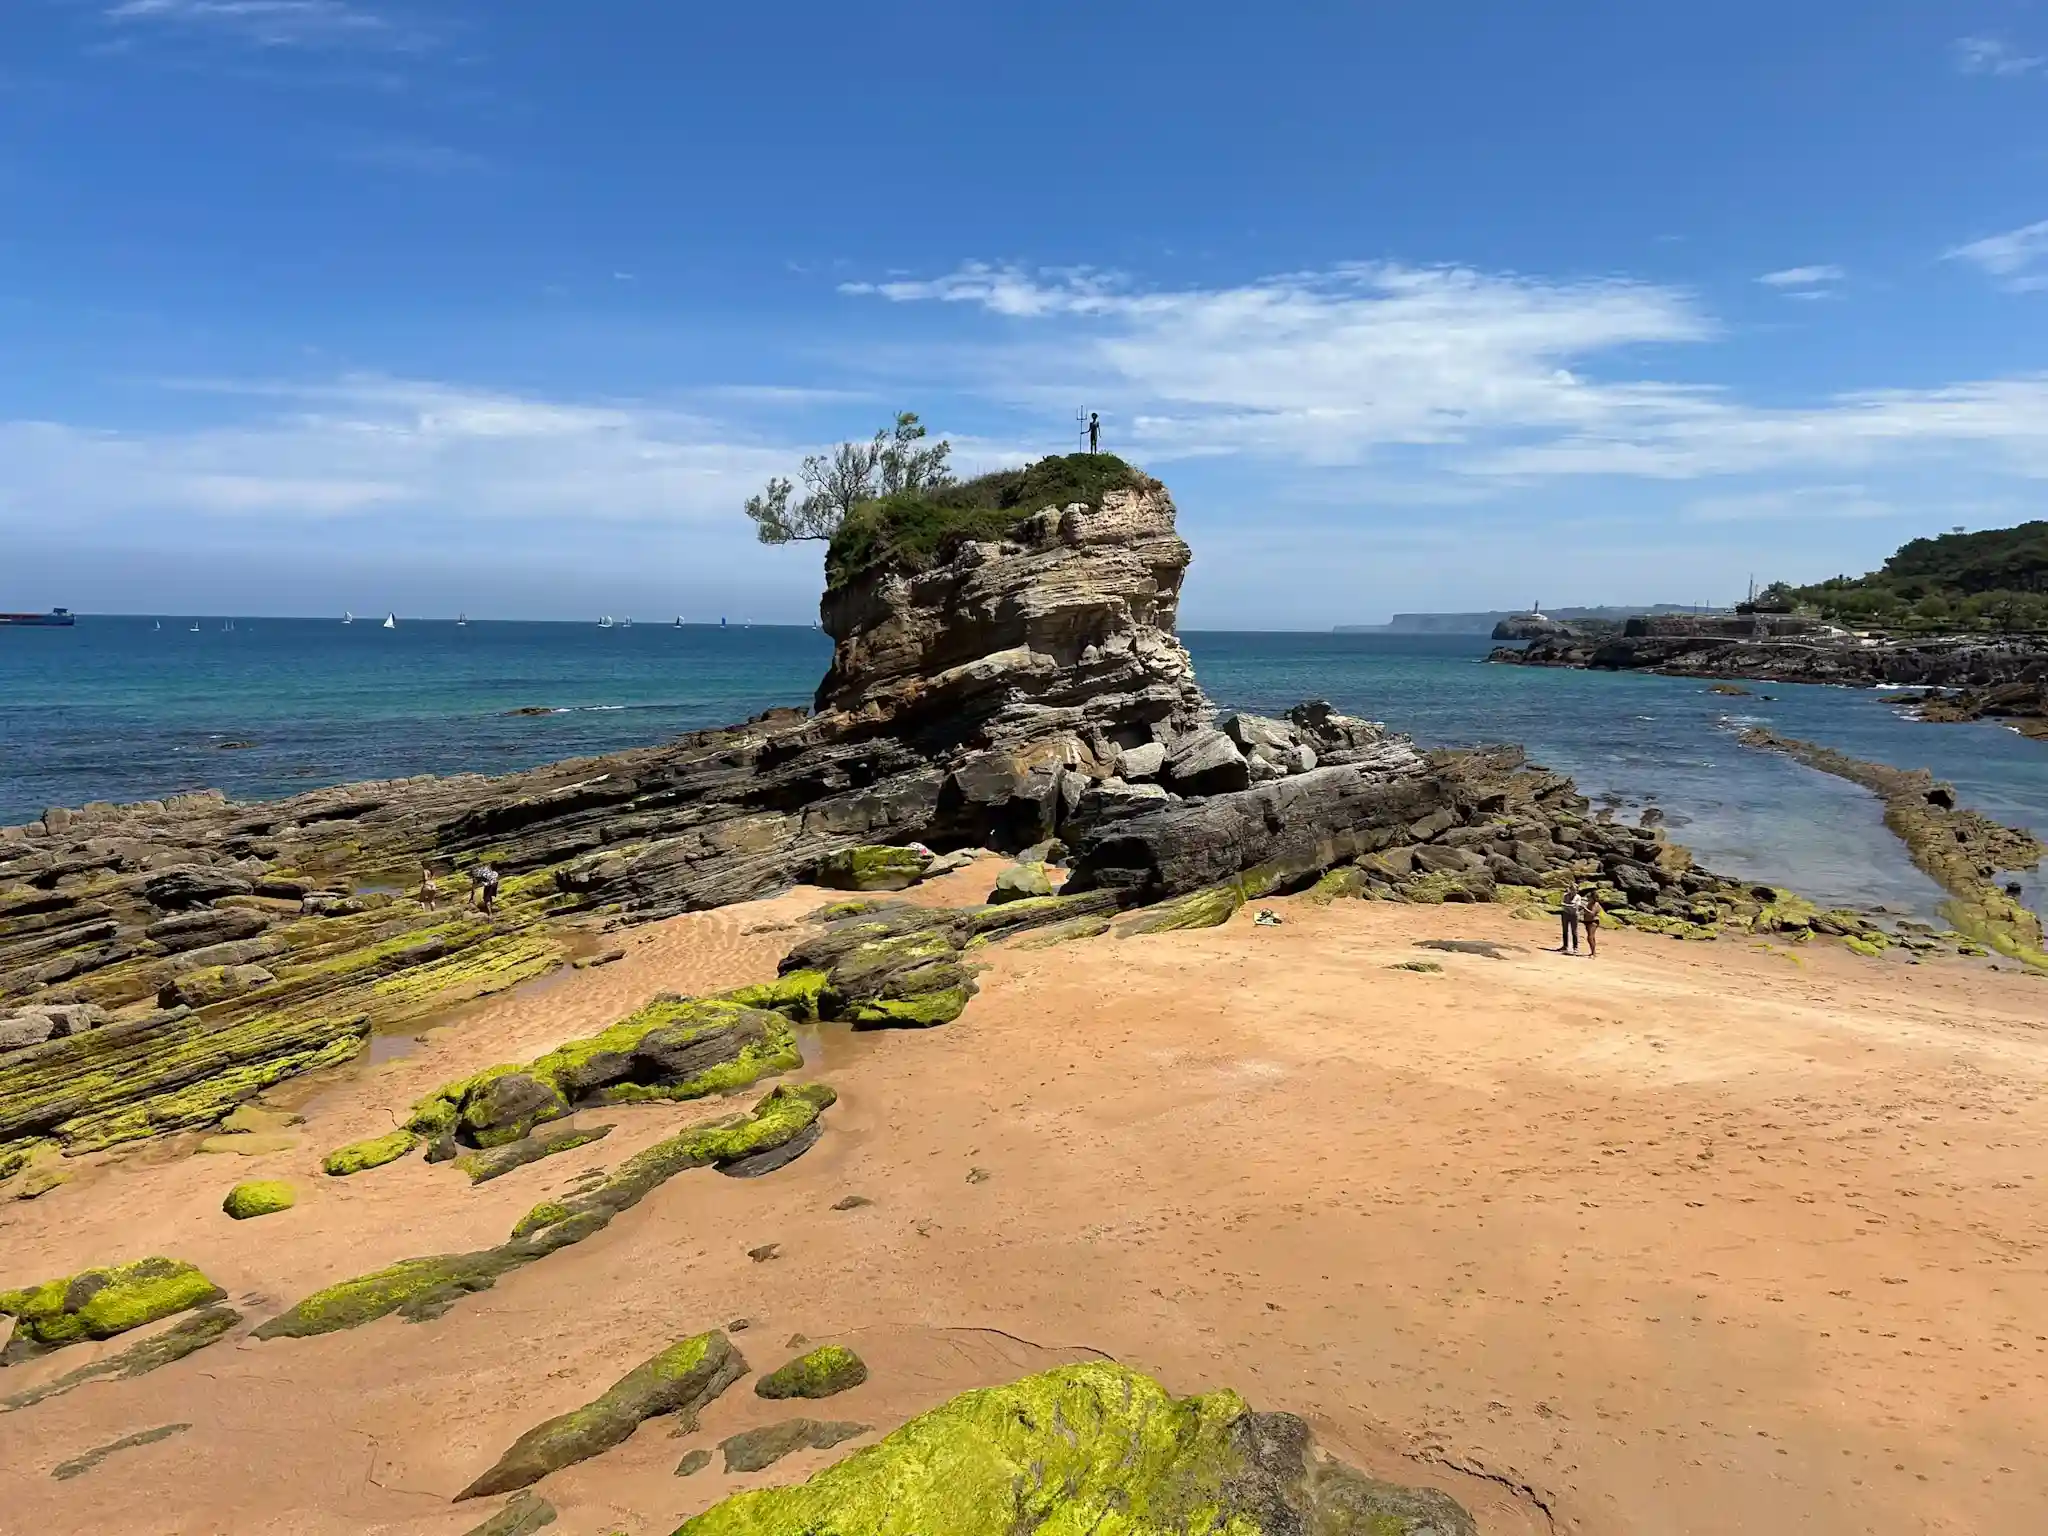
[1694, 1238]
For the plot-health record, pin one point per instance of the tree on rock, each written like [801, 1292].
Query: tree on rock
[891, 462]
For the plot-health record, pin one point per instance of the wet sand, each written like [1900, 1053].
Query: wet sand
[1691, 1238]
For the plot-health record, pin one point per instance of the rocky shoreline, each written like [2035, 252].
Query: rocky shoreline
[1977, 676]
[162, 963]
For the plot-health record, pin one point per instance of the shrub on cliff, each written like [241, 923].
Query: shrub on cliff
[912, 530]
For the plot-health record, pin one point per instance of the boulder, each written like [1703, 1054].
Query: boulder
[362, 1156]
[1020, 882]
[259, 1197]
[212, 984]
[183, 886]
[1207, 763]
[674, 1048]
[755, 1450]
[193, 930]
[47, 1021]
[872, 869]
[1092, 1447]
[824, 1372]
[1141, 762]
[682, 1379]
[100, 1303]
[1255, 734]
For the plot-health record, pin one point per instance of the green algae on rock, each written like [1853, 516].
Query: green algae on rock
[755, 1449]
[259, 1197]
[422, 1289]
[872, 869]
[416, 1289]
[130, 1080]
[673, 1049]
[78, 1466]
[1210, 907]
[523, 1514]
[781, 1116]
[681, 1379]
[100, 1303]
[1092, 1447]
[484, 1166]
[187, 1336]
[824, 1372]
[361, 1156]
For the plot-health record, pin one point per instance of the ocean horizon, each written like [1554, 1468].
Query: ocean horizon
[135, 707]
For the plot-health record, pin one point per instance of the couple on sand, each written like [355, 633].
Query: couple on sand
[1580, 913]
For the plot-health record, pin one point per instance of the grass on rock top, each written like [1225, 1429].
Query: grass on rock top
[914, 529]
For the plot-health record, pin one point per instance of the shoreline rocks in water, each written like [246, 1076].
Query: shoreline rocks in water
[1961, 850]
[2003, 675]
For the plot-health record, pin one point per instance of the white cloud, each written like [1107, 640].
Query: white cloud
[2015, 257]
[274, 23]
[1804, 282]
[1474, 375]
[1991, 56]
[364, 445]
[1325, 365]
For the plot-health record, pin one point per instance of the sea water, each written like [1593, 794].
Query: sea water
[136, 708]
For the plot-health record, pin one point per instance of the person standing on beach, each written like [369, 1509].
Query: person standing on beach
[1589, 919]
[430, 893]
[1094, 433]
[1568, 922]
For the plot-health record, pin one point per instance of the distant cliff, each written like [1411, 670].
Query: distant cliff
[1485, 623]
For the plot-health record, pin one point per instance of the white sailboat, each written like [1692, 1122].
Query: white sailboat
[347, 617]
[679, 621]
[391, 621]
[462, 621]
[605, 622]
[628, 622]
[195, 626]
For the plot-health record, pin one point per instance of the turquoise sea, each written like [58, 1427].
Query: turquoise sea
[134, 708]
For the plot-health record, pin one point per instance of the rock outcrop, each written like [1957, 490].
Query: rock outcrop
[682, 1379]
[1083, 1448]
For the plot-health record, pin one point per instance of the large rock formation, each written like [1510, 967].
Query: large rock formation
[161, 962]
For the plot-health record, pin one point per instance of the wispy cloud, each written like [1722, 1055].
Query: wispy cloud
[1816, 282]
[275, 23]
[1486, 376]
[420, 157]
[2015, 258]
[364, 444]
[1992, 56]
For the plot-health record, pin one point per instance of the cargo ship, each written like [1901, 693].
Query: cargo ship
[56, 617]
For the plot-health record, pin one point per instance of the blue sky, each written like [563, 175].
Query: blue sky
[441, 305]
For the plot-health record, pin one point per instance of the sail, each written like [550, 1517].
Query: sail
[391, 621]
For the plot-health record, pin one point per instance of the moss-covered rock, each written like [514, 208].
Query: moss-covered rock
[416, 1289]
[523, 1514]
[781, 1116]
[922, 1010]
[187, 1336]
[872, 869]
[1022, 882]
[259, 1197]
[1066, 932]
[78, 1466]
[1084, 1448]
[494, 1163]
[798, 996]
[675, 1048]
[1210, 907]
[754, 1450]
[681, 1379]
[100, 1303]
[824, 1372]
[142, 1078]
[361, 1156]
[424, 1288]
